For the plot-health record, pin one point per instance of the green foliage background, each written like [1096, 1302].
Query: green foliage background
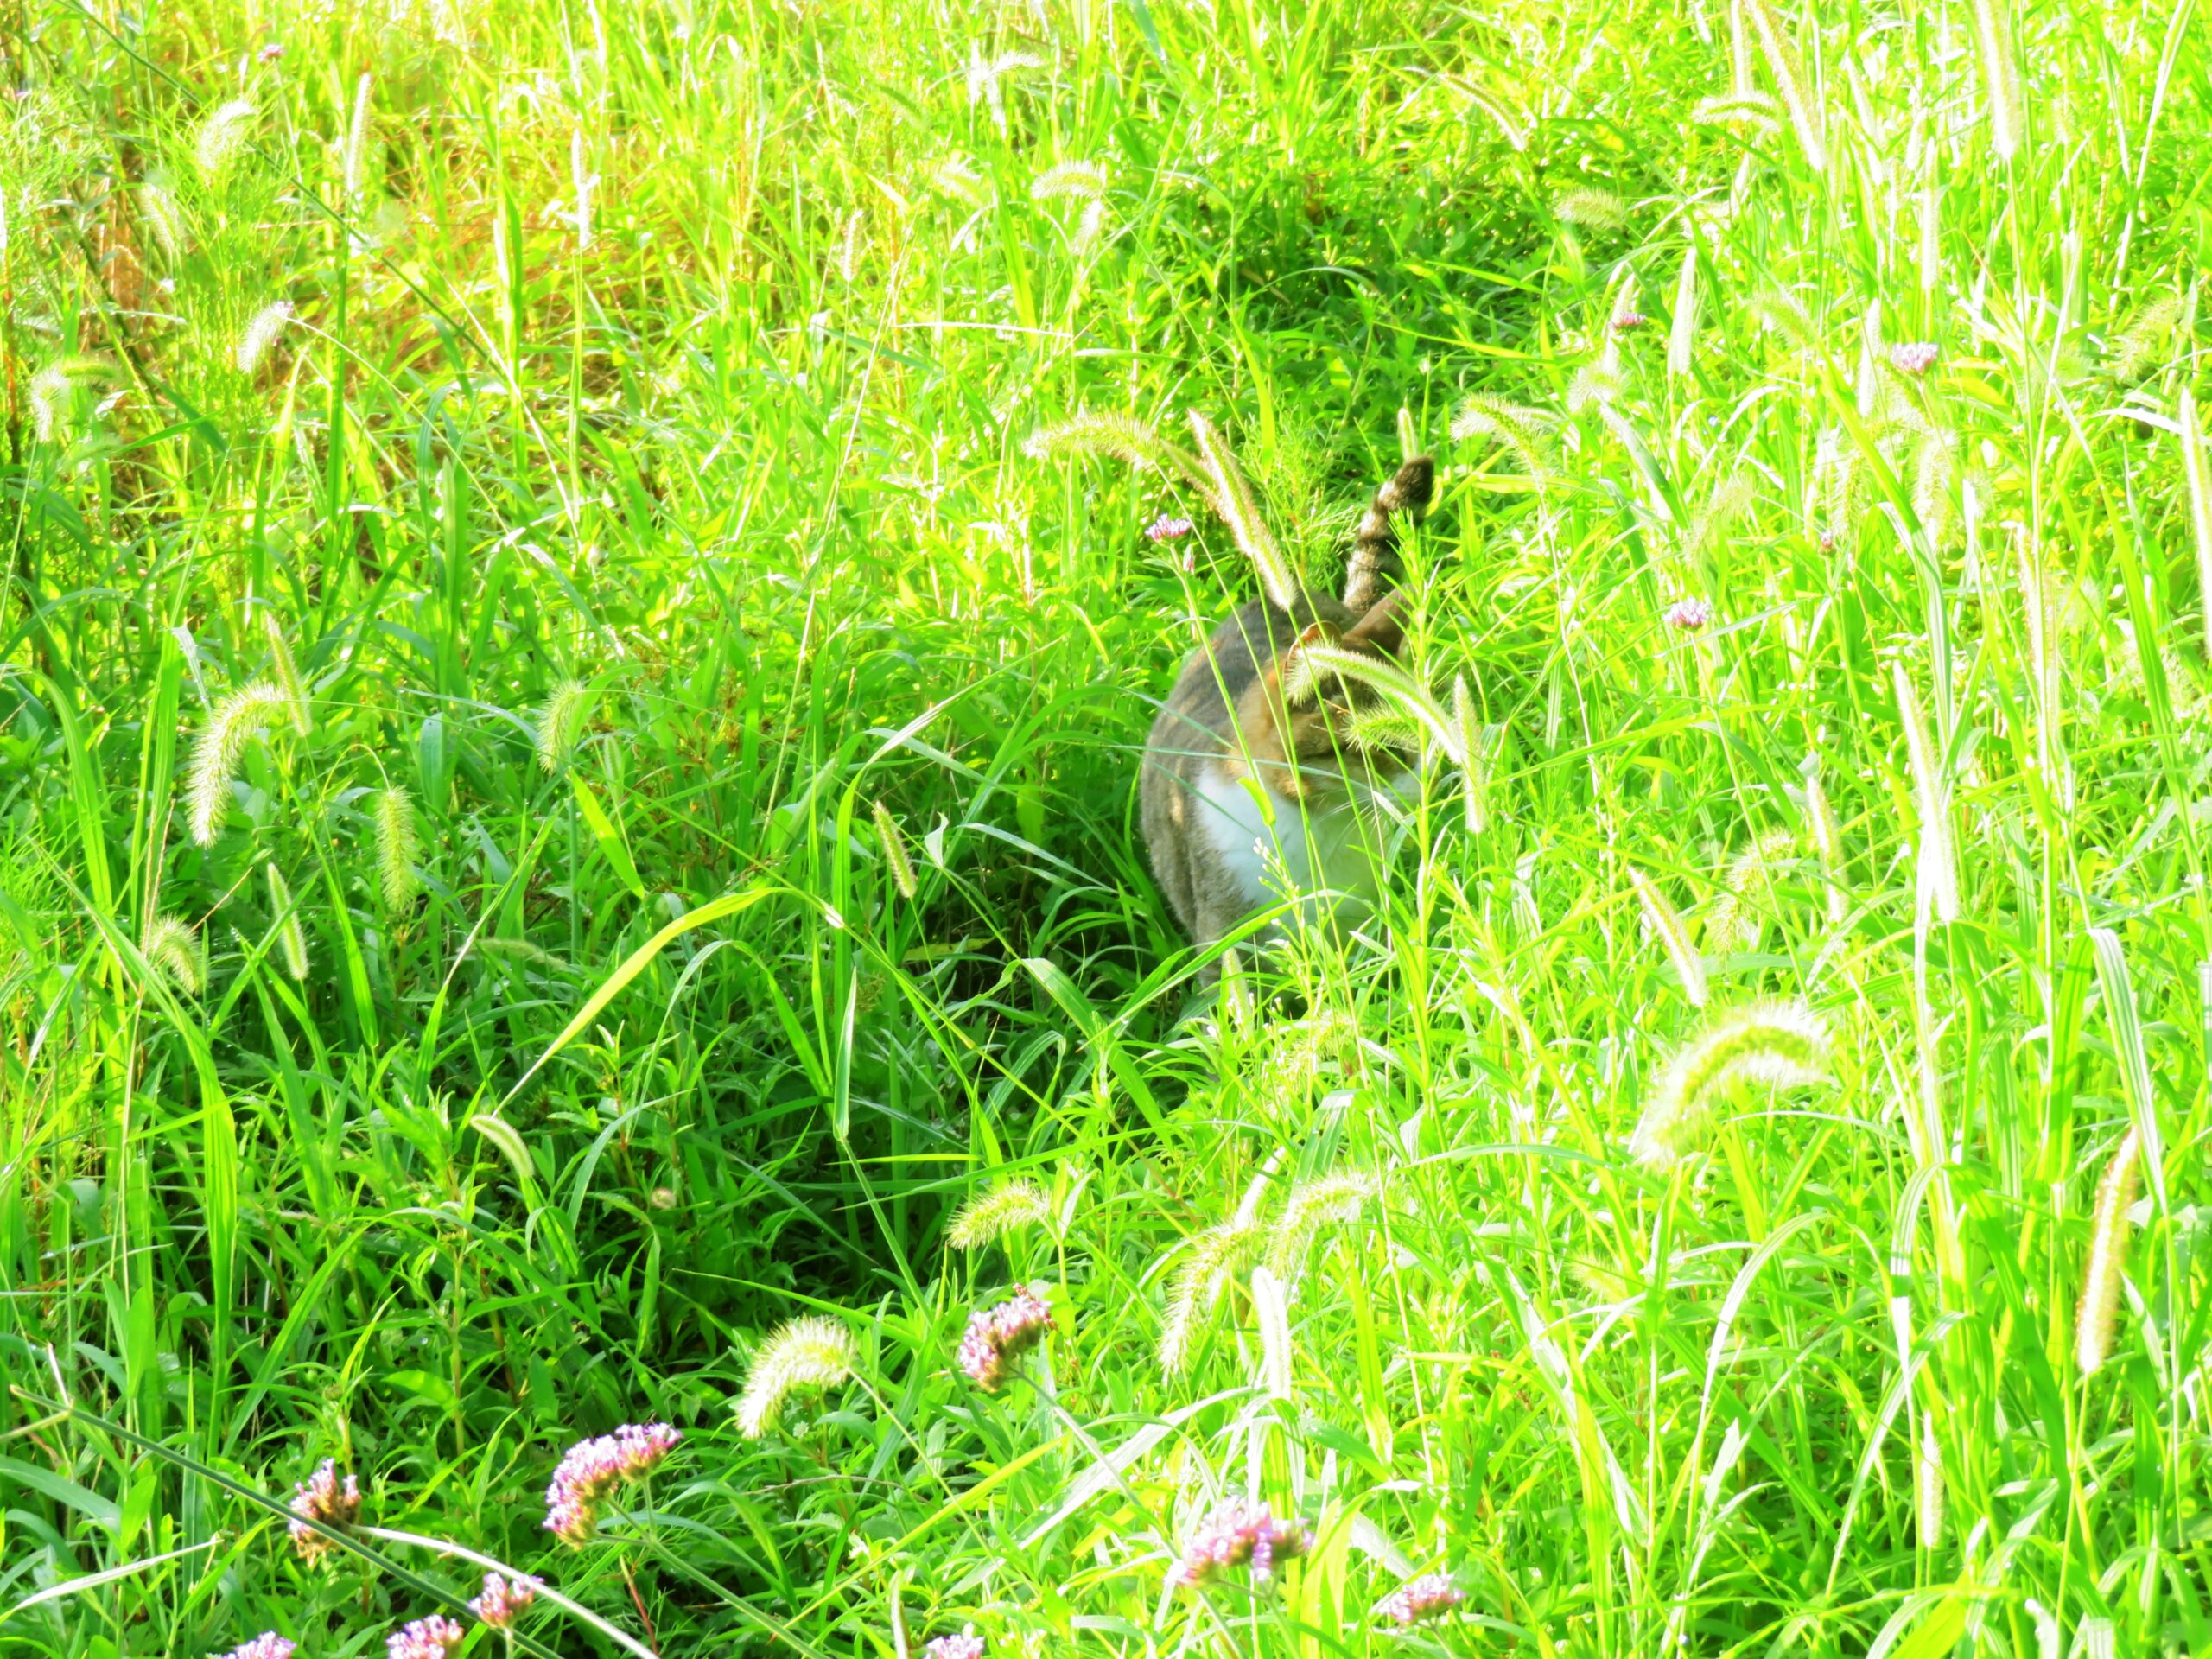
[673, 363]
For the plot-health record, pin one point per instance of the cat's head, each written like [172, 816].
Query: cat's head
[1301, 734]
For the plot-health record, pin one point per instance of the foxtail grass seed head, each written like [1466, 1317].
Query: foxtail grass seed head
[165, 217]
[2100, 1312]
[1417, 1602]
[222, 135]
[1474, 742]
[2001, 78]
[990, 1216]
[215, 758]
[1329, 1201]
[285, 673]
[1934, 484]
[1593, 209]
[173, 947]
[1413, 698]
[966, 1645]
[2142, 346]
[1734, 921]
[802, 1356]
[357, 143]
[1236, 1535]
[1121, 437]
[503, 1600]
[261, 333]
[591, 1470]
[267, 1645]
[560, 723]
[1784, 1045]
[398, 847]
[1525, 433]
[52, 393]
[323, 1496]
[1240, 511]
[893, 846]
[581, 179]
[433, 1637]
[1084, 181]
[998, 1339]
[291, 936]
[1666, 922]
[1790, 83]
[1217, 1258]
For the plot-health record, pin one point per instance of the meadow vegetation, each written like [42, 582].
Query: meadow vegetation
[566, 799]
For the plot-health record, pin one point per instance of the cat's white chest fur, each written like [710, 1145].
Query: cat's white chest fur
[1318, 859]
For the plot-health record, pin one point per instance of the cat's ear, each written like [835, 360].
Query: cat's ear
[1292, 673]
[1383, 628]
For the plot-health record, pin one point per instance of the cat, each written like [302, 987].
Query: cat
[1252, 788]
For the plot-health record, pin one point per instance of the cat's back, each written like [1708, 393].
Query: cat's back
[1194, 730]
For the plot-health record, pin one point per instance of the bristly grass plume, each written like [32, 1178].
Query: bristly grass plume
[291, 935]
[398, 848]
[1211, 1262]
[992, 1215]
[892, 845]
[1667, 924]
[172, 945]
[561, 724]
[521, 604]
[237, 719]
[1782, 1044]
[2098, 1317]
[802, 1356]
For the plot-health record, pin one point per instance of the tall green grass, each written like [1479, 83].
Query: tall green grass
[568, 800]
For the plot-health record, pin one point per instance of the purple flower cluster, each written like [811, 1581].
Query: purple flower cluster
[1166, 528]
[1917, 357]
[1627, 323]
[267, 1645]
[1688, 615]
[998, 1337]
[323, 1496]
[1420, 1600]
[966, 1645]
[1237, 1533]
[424, 1638]
[593, 1468]
[503, 1600]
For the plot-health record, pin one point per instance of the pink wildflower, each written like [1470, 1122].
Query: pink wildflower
[503, 1600]
[424, 1638]
[1237, 1533]
[323, 1496]
[1627, 323]
[998, 1337]
[1917, 357]
[966, 1645]
[267, 1645]
[1165, 529]
[591, 1470]
[1688, 615]
[270, 51]
[1420, 1600]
